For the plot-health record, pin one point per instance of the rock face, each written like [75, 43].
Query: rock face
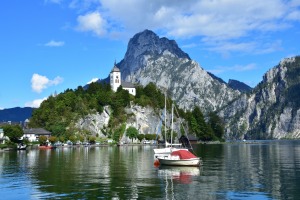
[271, 110]
[159, 60]
[95, 123]
[146, 120]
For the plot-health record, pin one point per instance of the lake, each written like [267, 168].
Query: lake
[258, 170]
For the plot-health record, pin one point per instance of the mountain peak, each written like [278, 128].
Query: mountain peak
[147, 41]
[150, 58]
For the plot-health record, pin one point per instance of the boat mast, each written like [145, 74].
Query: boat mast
[172, 125]
[166, 118]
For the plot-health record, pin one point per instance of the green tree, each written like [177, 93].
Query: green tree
[140, 137]
[61, 139]
[150, 136]
[118, 133]
[58, 128]
[43, 140]
[216, 124]
[92, 139]
[13, 132]
[53, 139]
[199, 126]
[81, 138]
[73, 139]
[132, 132]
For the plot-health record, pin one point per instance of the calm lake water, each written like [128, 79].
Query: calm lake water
[263, 170]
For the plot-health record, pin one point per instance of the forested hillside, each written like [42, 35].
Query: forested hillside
[60, 113]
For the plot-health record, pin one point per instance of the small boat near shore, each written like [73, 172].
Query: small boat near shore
[46, 147]
[21, 146]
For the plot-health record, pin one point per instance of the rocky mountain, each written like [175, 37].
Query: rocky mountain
[268, 111]
[240, 86]
[159, 60]
[271, 110]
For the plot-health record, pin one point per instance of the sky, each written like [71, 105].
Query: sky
[48, 46]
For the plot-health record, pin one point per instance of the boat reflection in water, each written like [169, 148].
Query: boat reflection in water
[179, 174]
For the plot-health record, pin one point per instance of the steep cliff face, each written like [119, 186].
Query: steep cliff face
[272, 110]
[159, 60]
[146, 120]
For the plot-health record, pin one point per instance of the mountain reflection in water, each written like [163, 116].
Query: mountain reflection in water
[261, 170]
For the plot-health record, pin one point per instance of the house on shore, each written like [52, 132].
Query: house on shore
[33, 134]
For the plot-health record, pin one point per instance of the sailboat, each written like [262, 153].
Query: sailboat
[169, 147]
[180, 158]
[173, 156]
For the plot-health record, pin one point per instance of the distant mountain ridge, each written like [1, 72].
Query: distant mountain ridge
[234, 84]
[240, 86]
[16, 114]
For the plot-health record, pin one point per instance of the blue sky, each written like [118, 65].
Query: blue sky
[48, 46]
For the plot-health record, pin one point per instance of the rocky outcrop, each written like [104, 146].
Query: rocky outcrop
[272, 110]
[145, 119]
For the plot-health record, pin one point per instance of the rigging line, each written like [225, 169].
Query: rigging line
[184, 127]
[160, 123]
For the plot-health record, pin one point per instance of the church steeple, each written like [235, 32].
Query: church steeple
[115, 77]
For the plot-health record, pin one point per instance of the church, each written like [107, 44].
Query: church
[116, 81]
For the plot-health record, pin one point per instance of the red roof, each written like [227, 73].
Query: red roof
[183, 154]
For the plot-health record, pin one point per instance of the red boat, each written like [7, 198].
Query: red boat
[46, 147]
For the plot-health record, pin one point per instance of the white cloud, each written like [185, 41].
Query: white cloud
[221, 21]
[92, 22]
[39, 82]
[93, 80]
[54, 43]
[218, 23]
[35, 103]
[218, 19]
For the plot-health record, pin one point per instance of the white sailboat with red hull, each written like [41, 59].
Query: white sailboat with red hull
[180, 158]
[169, 147]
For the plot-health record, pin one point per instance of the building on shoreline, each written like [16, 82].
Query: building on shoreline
[33, 134]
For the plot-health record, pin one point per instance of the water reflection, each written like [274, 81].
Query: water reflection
[265, 170]
[182, 175]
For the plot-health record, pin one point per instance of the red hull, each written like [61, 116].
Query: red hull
[46, 147]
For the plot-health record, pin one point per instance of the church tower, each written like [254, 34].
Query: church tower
[115, 78]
